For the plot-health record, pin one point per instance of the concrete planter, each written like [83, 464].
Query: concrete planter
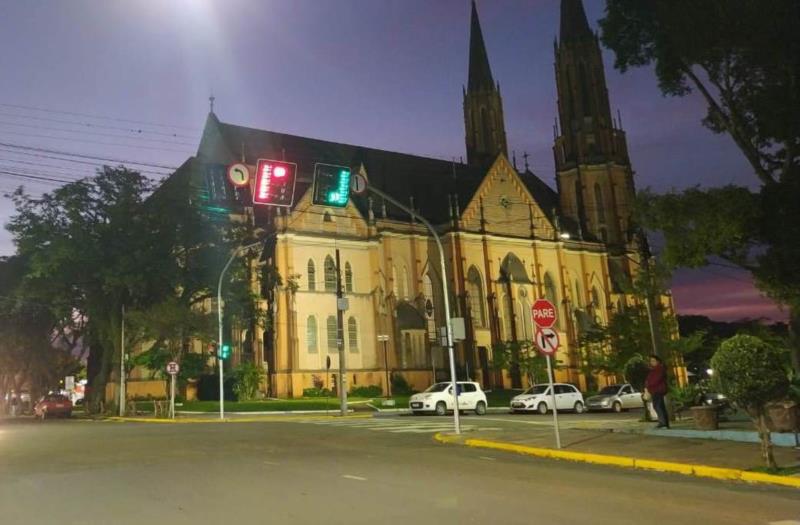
[783, 417]
[705, 418]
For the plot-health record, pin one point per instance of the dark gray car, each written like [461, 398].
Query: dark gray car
[616, 397]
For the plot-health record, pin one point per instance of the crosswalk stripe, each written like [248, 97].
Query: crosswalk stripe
[394, 426]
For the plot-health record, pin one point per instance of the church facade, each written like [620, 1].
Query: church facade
[508, 237]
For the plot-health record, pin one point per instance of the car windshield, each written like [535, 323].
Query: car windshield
[609, 390]
[438, 387]
[538, 389]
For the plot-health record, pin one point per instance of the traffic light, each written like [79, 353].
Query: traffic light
[331, 185]
[225, 353]
[275, 182]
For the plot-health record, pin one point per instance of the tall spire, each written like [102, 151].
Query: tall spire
[480, 74]
[574, 25]
[483, 106]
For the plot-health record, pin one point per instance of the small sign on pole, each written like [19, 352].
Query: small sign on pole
[544, 315]
[172, 369]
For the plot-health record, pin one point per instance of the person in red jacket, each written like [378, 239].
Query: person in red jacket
[656, 386]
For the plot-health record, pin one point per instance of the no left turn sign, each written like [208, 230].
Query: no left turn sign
[547, 340]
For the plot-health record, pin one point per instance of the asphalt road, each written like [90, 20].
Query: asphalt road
[330, 472]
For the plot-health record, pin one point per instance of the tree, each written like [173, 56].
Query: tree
[749, 371]
[741, 56]
[525, 356]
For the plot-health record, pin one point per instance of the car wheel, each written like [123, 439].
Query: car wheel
[579, 409]
[542, 408]
[480, 408]
[441, 408]
[617, 407]
[68, 415]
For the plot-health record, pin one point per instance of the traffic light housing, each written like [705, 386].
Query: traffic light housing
[225, 351]
[331, 185]
[275, 181]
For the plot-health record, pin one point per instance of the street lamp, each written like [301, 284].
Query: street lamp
[219, 319]
[448, 328]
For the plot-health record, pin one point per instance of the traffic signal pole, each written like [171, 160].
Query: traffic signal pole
[340, 341]
[220, 361]
[448, 328]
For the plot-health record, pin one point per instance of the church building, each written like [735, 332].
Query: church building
[509, 238]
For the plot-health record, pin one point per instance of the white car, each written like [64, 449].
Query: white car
[616, 398]
[537, 398]
[438, 398]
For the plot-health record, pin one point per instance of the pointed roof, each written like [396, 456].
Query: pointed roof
[480, 74]
[574, 25]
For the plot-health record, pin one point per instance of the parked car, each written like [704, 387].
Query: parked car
[438, 398]
[537, 398]
[717, 400]
[53, 405]
[617, 398]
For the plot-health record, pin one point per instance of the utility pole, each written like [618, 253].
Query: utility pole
[649, 300]
[122, 396]
[340, 303]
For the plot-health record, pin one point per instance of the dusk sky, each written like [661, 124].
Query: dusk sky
[130, 80]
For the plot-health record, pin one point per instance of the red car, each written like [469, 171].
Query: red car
[53, 405]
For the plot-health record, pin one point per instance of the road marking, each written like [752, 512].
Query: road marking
[487, 458]
[271, 463]
[784, 522]
[395, 426]
[356, 478]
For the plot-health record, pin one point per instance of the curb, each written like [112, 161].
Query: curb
[686, 469]
[235, 420]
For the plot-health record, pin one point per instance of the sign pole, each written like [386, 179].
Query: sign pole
[172, 398]
[553, 400]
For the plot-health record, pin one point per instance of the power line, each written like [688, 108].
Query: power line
[83, 156]
[35, 177]
[96, 125]
[50, 137]
[100, 134]
[67, 170]
[99, 117]
[95, 164]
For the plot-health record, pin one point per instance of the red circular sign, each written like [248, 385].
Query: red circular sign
[543, 313]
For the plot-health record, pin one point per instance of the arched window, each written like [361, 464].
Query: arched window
[352, 335]
[311, 334]
[312, 275]
[332, 336]
[430, 308]
[348, 277]
[507, 335]
[476, 297]
[330, 274]
[486, 129]
[395, 283]
[551, 293]
[595, 297]
[599, 204]
[524, 317]
[404, 291]
[578, 295]
[585, 92]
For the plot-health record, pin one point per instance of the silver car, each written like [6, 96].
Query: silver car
[616, 398]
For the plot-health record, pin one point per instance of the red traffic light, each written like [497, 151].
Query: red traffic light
[275, 182]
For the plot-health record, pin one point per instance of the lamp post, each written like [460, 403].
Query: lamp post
[219, 321]
[448, 328]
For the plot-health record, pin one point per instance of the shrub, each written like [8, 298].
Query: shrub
[749, 371]
[247, 379]
[316, 392]
[684, 397]
[400, 386]
[366, 391]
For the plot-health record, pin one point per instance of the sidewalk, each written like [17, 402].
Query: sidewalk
[727, 454]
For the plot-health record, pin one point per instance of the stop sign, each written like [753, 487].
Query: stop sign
[543, 313]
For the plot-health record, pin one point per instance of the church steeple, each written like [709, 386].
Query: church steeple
[483, 106]
[574, 25]
[591, 153]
